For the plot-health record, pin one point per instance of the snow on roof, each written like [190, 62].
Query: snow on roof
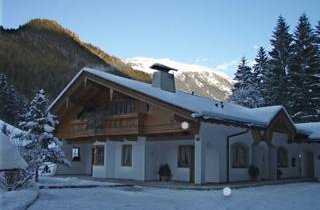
[12, 131]
[10, 156]
[312, 129]
[200, 106]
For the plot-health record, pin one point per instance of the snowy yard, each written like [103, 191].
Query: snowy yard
[290, 196]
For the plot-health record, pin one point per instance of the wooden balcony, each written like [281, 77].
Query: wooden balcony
[162, 128]
[113, 125]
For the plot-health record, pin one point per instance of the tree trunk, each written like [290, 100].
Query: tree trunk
[37, 174]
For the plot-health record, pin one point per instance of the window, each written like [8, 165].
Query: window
[239, 155]
[75, 154]
[126, 155]
[120, 107]
[282, 157]
[98, 155]
[184, 156]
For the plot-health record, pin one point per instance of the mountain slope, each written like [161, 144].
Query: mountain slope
[200, 79]
[43, 54]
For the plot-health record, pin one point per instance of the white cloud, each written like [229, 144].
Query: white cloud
[227, 65]
[255, 47]
[201, 60]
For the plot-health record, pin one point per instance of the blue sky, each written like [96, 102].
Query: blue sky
[214, 33]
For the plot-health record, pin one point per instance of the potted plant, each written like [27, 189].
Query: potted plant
[279, 173]
[164, 172]
[253, 171]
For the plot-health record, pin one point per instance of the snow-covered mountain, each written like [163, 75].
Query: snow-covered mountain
[202, 80]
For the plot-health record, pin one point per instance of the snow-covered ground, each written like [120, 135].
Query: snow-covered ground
[47, 181]
[290, 196]
[18, 199]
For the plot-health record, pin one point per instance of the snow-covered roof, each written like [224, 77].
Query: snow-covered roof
[10, 156]
[199, 106]
[311, 129]
[12, 133]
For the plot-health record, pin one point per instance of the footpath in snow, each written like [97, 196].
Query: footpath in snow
[297, 196]
[23, 198]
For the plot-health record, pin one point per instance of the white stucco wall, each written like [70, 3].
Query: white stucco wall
[297, 151]
[136, 171]
[147, 156]
[77, 167]
[294, 150]
[112, 163]
[215, 137]
[165, 152]
[100, 170]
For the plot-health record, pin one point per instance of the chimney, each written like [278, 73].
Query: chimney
[162, 78]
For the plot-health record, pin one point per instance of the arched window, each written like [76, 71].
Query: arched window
[282, 157]
[239, 155]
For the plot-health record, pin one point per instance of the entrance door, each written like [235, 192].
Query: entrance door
[191, 177]
[309, 164]
[92, 159]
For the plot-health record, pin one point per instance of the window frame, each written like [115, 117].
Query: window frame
[125, 162]
[75, 158]
[282, 152]
[236, 149]
[181, 161]
[98, 150]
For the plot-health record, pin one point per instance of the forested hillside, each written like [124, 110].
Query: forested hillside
[43, 54]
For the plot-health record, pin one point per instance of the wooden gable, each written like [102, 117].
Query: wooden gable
[115, 111]
[281, 123]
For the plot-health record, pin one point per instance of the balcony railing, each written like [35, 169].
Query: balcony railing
[125, 124]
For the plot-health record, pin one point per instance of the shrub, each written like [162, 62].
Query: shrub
[13, 179]
[253, 171]
[164, 170]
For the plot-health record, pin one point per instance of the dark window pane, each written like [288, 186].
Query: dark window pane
[239, 154]
[126, 155]
[184, 156]
[99, 155]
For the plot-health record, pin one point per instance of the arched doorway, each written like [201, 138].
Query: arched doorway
[261, 159]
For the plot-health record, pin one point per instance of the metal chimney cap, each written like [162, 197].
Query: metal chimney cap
[161, 67]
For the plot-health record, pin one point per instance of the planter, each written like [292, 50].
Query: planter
[254, 178]
[279, 174]
[253, 172]
[164, 172]
[164, 178]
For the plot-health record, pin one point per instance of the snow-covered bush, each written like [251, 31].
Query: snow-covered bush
[12, 165]
[13, 179]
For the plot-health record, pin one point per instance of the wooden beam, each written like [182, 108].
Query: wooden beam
[111, 94]
[67, 102]
[85, 82]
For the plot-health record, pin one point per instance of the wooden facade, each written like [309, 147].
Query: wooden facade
[93, 108]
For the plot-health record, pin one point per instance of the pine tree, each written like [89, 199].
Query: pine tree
[317, 34]
[281, 43]
[12, 104]
[316, 76]
[304, 66]
[41, 144]
[245, 92]
[263, 76]
[243, 74]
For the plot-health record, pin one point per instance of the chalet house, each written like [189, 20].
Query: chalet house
[114, 127]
